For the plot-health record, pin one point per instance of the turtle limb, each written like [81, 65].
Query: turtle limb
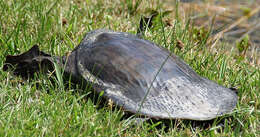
[144, 24]
[28, 63]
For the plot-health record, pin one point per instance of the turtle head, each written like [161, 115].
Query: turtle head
[28, 63]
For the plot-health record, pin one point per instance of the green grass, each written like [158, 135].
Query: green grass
[43, 107]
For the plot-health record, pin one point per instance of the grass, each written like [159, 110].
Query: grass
[43, 107]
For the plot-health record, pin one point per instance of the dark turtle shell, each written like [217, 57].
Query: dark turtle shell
[124, 67]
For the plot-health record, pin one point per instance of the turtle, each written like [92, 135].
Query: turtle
[136, 74]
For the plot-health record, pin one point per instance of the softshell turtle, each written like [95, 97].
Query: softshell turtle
[126, 67]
